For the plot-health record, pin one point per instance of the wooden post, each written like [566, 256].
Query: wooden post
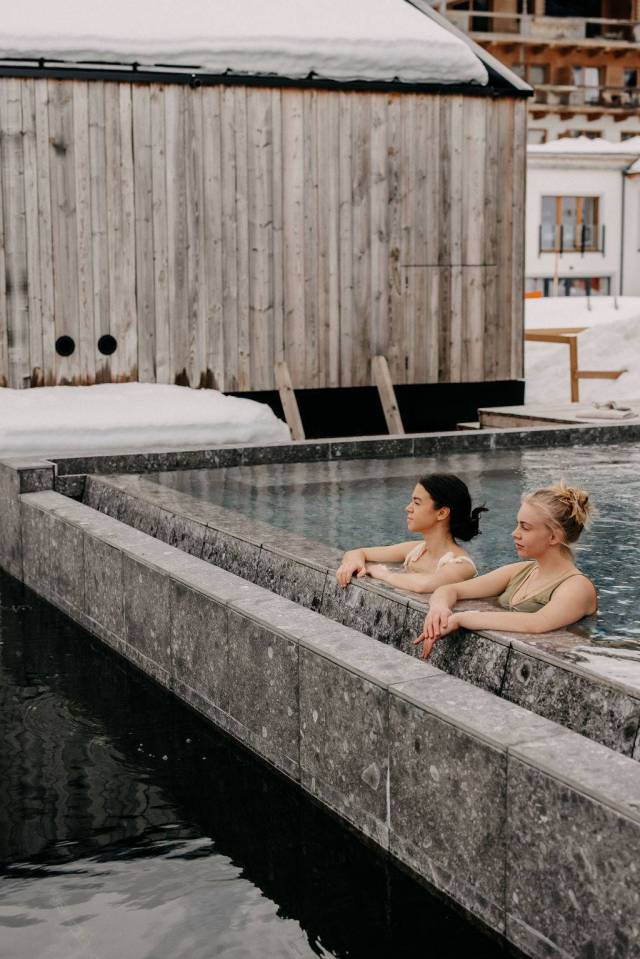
[573, 367]
[382, 379]
[288, 400]
[569, 335]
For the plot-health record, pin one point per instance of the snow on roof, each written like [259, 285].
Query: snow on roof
[341, 40]
[587, 145]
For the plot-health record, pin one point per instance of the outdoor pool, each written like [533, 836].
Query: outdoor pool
[361, 502]
[130, 828]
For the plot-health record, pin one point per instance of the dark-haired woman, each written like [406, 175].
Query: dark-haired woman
[440, 510]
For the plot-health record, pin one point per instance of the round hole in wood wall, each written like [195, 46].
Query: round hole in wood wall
[65, 345]
[107, 344]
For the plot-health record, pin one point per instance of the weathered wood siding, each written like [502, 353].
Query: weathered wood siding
[215, 231]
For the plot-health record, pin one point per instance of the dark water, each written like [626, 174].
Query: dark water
[359, 503]
[129, 828]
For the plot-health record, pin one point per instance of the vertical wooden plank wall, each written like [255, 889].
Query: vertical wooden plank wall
[216, 231]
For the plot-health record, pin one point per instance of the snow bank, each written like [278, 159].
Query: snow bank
[356, 40]
[574, 310]
[612, 343]
[129, 417]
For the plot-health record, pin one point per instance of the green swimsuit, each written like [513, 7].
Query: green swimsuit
[532, 603]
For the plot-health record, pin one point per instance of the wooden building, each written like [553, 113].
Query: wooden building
[187, 224]
[581, 56]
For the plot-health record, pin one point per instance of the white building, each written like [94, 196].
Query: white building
[583, 217]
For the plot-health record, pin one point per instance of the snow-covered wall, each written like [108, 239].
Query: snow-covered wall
[357, 40]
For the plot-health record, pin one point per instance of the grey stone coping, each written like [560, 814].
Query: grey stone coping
[375, 447]
[588, 767]
[495, 721]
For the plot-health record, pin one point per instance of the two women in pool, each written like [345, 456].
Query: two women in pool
[542, 592]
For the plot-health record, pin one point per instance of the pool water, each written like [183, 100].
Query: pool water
[361, 502]
[129, 828]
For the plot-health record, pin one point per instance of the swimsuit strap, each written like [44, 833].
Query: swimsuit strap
[451, 558]
[414, 555]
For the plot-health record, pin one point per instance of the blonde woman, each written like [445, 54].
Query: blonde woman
[544, 591]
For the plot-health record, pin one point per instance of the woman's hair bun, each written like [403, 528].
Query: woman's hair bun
[568, 508]
[465, 528]
[576, 501]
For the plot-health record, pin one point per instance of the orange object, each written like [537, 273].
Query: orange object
[533, 295]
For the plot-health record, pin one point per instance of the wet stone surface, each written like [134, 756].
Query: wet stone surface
[230, 553]
[104, 585]
[199, 644]
[10, 541]
[263, 691]
[147, 611]
[67, 562]
[185, 534]
[593, 709]
[295, 581]
[471, 657]
[365, 610]
[448, 808]
[36, 548]
[574, 871]
[344, 742]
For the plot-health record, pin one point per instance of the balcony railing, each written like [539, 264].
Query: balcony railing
[584, 238]
[612, 98]
[545, 29]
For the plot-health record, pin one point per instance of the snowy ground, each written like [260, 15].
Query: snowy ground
[129, 417]
[611, 343]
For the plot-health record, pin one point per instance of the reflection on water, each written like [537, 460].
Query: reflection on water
[355, 503]
[129, 828]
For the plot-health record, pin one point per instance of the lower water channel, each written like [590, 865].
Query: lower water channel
[130, 828]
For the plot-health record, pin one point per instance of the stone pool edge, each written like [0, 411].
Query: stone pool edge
[431, 769]
[604, 709]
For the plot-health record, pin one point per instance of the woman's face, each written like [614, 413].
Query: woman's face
[532, 535]
[422, 512]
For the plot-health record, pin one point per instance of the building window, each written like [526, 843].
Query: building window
[536, 136]
[534, 73]
[629, 134]
[631, 78]
[570, 225]
[588, 79]
[570, 285]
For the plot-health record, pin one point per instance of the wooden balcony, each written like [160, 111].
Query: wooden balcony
[487, 27]
[593, 101]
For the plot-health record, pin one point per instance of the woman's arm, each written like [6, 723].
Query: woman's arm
[354, 560]
[445, 598]
[572, 600]
[423, 582]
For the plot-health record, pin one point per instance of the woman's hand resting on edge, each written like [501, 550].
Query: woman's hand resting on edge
[352, 564]
[439, 621]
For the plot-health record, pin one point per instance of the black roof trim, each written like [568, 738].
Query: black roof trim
[194, 77]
